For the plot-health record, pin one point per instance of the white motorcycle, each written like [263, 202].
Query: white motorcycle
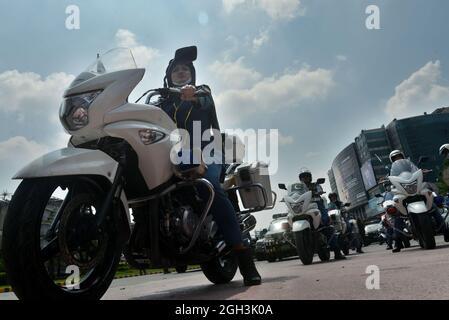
[413, 199]
[117, 163]
[305, 220]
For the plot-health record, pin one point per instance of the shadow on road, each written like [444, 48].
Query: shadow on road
[210, 292]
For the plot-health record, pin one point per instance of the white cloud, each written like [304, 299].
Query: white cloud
[18, 148]
[290, 90]
[261, 40]
[342, 58]
[30, 92]
[284, 140]
[234, 74]
[142, 54]
[276, 9]
[229, 5]
[312, 154]
[421, 92]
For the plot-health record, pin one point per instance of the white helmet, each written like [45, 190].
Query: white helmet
[395, 153]
[304, 172]
[444, 150]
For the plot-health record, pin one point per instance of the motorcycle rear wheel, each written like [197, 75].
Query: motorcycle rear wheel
[220, 270]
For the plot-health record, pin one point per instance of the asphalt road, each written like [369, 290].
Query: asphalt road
[412, 274]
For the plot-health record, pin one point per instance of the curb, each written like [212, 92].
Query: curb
[9, 289]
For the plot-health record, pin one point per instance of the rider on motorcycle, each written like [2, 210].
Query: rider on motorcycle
[399, 223]
[305, 177]
[188, 111]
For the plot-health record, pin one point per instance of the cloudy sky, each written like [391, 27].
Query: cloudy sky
[309, 68]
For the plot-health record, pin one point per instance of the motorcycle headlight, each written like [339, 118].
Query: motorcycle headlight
[297, 208]
[411, 188]
[74, 111]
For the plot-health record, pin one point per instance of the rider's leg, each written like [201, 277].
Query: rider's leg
[225, 217]
[399, 226]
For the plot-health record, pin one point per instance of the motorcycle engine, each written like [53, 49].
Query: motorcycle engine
[185, 221]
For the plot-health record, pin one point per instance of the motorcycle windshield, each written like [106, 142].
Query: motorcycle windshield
[113, 60]
[401, 166]
[298, 189]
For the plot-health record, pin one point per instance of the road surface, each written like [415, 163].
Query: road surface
[412, 274]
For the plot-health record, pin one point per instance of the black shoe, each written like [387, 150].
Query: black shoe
[398, 246]
[338, 255]
[446, 236]
[397, 249]
[247, 268]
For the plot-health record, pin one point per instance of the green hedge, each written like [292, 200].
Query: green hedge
[3, 281]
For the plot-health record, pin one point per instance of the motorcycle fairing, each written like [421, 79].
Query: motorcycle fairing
[398, 181]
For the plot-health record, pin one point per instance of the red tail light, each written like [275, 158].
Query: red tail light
[285, 225]
[392, 210]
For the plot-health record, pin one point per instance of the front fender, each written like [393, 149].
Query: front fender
[417, 207]
[70, 161]
[73, 162]
[300, 225]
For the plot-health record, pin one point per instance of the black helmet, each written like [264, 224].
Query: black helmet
[185, 56]
[333, 194]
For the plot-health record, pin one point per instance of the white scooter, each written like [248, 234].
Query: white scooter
[305, 220]
[413, 199]
[118, 158]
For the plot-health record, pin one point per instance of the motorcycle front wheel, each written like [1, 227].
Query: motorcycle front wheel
[426, 231]
[52, 247]
[305, 246]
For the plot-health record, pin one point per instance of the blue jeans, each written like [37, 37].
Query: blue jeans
[399, 225]
[222, 209]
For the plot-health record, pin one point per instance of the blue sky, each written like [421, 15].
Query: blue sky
[309, 68]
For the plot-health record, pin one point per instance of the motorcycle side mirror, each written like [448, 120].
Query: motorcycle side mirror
[186, 54]
[347, 204]
[282, 186]
[321, 181]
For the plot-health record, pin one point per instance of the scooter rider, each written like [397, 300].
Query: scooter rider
[305, 177]
[187, 111]
[399, 223]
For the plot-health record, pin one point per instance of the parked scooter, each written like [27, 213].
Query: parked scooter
[118, 158]
[305, 220]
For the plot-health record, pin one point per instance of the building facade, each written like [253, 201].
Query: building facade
[373, 150]
[349, 181]
[332, 182]
[357, 169]
[421, 136]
